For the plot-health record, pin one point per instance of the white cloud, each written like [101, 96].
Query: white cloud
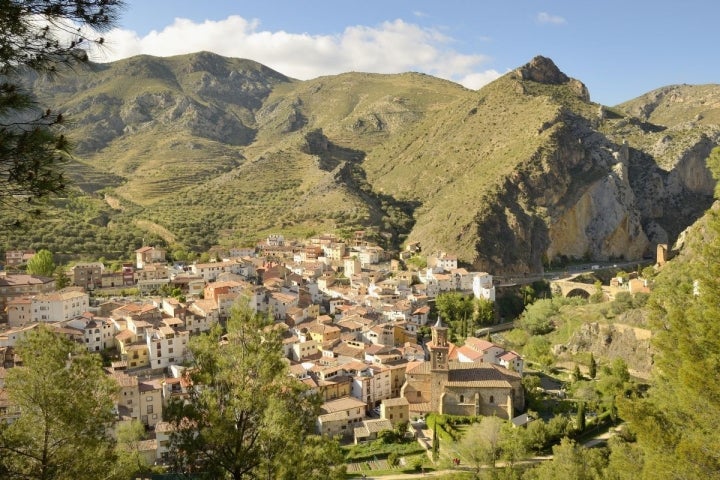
[392, 47]
[474, 81]
[547, 18]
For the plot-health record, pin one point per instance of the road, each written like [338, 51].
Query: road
[566, 273]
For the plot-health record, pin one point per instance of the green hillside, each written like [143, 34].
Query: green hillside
[216, 150]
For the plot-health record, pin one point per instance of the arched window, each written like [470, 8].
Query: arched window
[462, 398]
[492, 399]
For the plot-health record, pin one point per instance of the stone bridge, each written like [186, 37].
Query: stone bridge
[568, 288]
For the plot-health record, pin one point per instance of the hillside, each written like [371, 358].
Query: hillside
[525, 172]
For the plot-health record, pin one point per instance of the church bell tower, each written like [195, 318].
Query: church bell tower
[439, 348]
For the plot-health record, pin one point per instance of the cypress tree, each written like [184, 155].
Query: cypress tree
[593, 366]
[580, 421]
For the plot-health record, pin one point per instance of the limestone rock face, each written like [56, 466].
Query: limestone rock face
[575, 201]
[542, 70]
[603, 223]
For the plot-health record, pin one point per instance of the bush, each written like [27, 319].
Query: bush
[623, 302]
[640, 299]
[536, 319]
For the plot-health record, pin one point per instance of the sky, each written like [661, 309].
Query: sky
[619, 49]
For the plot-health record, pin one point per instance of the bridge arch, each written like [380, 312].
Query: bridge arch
[578, 292]
[573, 289]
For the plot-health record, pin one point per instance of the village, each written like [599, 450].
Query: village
[354, 326]
[350, 318]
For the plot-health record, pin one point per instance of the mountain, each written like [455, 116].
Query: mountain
[201, 149]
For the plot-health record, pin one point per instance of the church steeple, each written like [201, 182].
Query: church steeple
[439, 333]
[439, 347]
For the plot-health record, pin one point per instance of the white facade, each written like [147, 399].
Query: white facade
[49, 307]
[98, 334]
[210, 271]
[372, 385]
[483, 286]
[166, 346]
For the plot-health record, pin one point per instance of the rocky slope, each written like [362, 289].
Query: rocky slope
[521, 173]
[610, 341]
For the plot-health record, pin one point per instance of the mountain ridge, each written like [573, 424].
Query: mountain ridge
[516, 176]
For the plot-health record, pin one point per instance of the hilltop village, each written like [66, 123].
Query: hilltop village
[352, 324]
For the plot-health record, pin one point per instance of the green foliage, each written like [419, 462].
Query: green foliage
[464, 313]
[481, 444]
[677, 422]
[379, 449]
[640, 299]
[648, 272]
[417, 262]
[517, 337]
[570, 460]
[537, 318]
[484, 312]
[62, 279]
[243, 410]
[41, 264]
[597, 296]
[577, 376]
[580, 418]
[66, 402]
[39, 36]
[592, 368]
[129, 435]
[623, 301]
[538, 349]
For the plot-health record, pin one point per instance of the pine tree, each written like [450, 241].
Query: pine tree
[677, 422]
[65, 401]
[32, 150]
[244, 410]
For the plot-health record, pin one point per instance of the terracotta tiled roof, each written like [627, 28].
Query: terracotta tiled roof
[470, 353]
[395, 402]
[342, 404]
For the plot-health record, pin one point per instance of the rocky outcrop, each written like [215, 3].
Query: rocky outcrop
[542, 70]
[610, 341]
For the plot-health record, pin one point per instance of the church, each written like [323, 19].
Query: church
[446, 386]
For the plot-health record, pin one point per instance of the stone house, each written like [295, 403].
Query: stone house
[340, 416]
[21, 285]
[87, 275]
[396, 410]
[147, 255]
[48, 307]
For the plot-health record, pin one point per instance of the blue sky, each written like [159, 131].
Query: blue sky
[619, 49]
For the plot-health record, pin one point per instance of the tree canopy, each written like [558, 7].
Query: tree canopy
[464, 313]
[244, 410]
[65, 401]
[37, 36]
[41, 264]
